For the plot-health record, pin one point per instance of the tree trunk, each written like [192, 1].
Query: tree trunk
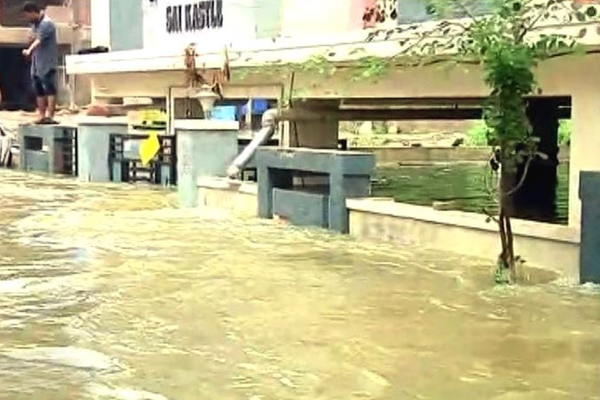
[508, 180]
[507, 265]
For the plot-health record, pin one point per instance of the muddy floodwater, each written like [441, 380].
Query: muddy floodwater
[112, 292]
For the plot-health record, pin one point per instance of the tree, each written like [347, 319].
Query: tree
[507, 43]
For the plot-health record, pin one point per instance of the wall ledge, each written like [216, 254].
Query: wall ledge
[228, 184]
[389, 207]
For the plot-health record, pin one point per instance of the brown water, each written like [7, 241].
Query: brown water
[110, 292]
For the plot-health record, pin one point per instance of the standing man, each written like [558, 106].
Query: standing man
[43, 52]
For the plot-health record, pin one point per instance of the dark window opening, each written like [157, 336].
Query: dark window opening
[34, 143]
[15, 81]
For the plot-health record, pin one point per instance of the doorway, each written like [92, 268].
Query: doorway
[15, 81]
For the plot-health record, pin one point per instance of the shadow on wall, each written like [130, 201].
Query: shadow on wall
[15, 80]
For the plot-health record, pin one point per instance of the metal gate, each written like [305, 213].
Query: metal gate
[126, 166]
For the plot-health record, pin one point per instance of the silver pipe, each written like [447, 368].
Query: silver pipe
[269, 125]
[5, 146]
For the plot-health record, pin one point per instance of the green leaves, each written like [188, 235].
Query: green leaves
[319, 64]
[370, 68]
[591, 12]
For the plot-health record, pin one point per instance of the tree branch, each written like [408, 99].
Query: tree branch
[466, 10]
[528, 28]
[490, 215]
[522, 180]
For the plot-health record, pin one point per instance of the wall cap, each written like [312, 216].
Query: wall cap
[389, 207]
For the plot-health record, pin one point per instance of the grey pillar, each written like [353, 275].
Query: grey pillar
[36, 144]
[348, 175]
[205, 148]
[268, 179]
[589, 259]
[93, 145]
[42, 147]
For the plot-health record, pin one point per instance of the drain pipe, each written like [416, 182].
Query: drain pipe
[269, 125]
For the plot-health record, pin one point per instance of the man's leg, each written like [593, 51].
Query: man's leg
[51, 107]
[50, 90]
[42, 106]
[38, 86]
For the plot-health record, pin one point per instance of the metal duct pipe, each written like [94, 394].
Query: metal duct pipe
[269, 125]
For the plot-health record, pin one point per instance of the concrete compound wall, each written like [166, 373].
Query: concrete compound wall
[551, 247]
[241, 199]
[546, 246]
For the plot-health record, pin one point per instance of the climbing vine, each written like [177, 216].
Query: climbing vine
[318, 64]
[370, 68]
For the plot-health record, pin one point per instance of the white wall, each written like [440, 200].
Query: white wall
[315, 17]
[100, 18]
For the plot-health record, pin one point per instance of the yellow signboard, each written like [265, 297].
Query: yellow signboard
[149, 148]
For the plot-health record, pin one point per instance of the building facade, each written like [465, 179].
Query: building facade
[153, 24]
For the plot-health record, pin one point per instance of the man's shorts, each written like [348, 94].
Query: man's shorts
[45, 86]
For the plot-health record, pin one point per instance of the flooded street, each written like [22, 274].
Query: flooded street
[111, 292]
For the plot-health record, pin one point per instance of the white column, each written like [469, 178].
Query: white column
[100, 19]
[585, 143]
[315, 17]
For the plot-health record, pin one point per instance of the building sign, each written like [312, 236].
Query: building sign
[196, 16]
[210, 24]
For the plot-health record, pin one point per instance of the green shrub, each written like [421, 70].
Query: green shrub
[477, 135]
[564, 132]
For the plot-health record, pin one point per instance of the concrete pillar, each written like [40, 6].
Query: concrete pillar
[589, 258]
[205, 148]
[93, 147]
[312, 134]
[585, 143]
[42, 148]
[348, 175]
[536, 199]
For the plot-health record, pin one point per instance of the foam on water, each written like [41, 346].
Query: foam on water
[66, 356]
[101, 392]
